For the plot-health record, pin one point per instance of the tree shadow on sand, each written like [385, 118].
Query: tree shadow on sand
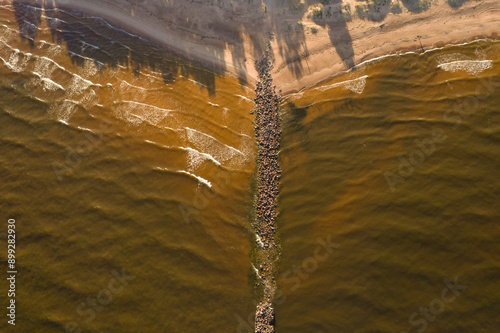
[289, 33]
[339, 33]
[290, 38]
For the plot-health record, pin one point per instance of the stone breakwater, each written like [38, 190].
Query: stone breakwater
[267, 132]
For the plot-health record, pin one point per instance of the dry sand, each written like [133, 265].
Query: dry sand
[229, 34]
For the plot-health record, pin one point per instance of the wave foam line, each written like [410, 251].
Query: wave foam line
[17, 52]
[125, 83]
[85, 129]
[259, 240]
[472, 67]
[244, 98]
[141, 112]
[257, 272]
[156, 108]
[189, 150]
[51, 85]
[187, 173]
[212, 138]
[202, 155]
[48, 83]
[398, 54]
[355, 85]
[100, 63]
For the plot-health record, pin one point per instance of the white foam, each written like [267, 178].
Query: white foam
[230, 156]
[139, 93]
[44, 66]
[244, 98]
[85, 129]
[377, 59]
[63, 111]
[199, 84]
[48, 84]
[472, 67]
[7, 33]
[89, 68]
[53, 62]
[133, 111]
[297, 95]
[53, 49]
[85, 58]
[200, 179]
[124, 84]
[79, 84]
[208, 141]
[195, 157]
[257, 272]
[89, 99]
[259, 240]
[355, 85]
[18, 60]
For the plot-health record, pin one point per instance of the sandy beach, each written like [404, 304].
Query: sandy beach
[311, 42]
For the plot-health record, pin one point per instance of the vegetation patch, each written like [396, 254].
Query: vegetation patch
[417, 6]
[373, 10]
[396, 7]
[456, 3]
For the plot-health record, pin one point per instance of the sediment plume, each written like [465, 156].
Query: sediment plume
[268, 132]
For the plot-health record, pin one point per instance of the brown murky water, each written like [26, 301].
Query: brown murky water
[105, 169]
[116, 155]
[396, 167]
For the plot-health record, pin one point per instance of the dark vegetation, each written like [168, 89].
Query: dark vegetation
[456, 3]
[416, 6]
[373, 10]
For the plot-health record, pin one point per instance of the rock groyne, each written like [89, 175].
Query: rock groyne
[267, 132]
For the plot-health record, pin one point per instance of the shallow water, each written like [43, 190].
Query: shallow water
[107, 168]
[118, 155]
[396, 164]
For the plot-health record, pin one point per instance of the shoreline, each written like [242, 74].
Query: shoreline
[383, 57]
[228, 41]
